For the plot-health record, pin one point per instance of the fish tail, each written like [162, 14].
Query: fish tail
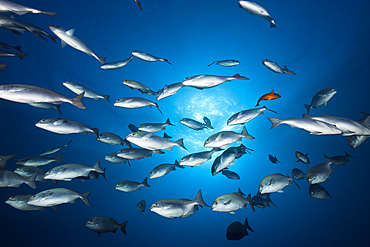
[17, 47]
[127, 143]
[180, 142]
[348, 155]
[31, 181]
[106, 97]
[249, 200]
[292, 180]
[58, 108]
[272, 24]
[178, 165]
[123, 227]
[210, 64]
[287, 71]
[239, 77]
[52, 14]
[103, 174]
[22, 55]
[246, 134]
[3, 66]
[85, 198]
[145, 182]
[95, 131]
[275, 122]
[308, 107]
[199, 199]
[270, 201]
[168, 122]
[58, 158]
[102, 60]
[97, 167]
[327, 159]
[76, 101]
[158, 108]
[247, 225]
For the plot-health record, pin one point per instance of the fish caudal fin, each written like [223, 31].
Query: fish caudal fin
[275, 122]
[199, 199]
[168, 122]
[22, 55]
[180, 142]
[287, 71]
[246, 134]
[102, 60]
[158, 108]
[17, 47]
[97, 167]
[249, 200]
[273, 24]
[58, 109]
[123, 227]
[95, 131]
[58, 158]
[106, 97]
[76, 101]
[308, 107]
[31, 181]
[85, 198]
[52, 14]
[145, 182]
[178, 165]
[247, 225]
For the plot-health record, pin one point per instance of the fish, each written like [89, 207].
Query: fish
[54, 150]
[65, 126]
[153, 142]
[273, 159]
[28, 171]
[3, 66]
[164, 169]
[114, 158]
[4, 160]
[231, 202]
[208, 122]
[196, 159]
[141, 206]
[166, 136]
[92, 175]
[105, 224]
[169, 90]
[68, 37]
[275, 183]
[258, 10]
[226, 63]
[54, 197]
[12, 179]
[274, 67]
[133, 128]
[129, 186]
[154, 127]
[10, 54]
[112, 139]
[191, 212]
[10, 7]
[6, 46]
[148, 58]
[245, 116]
[45, 105]
[319, 173]
[32, 94]
[78, 89]
[174, 208]
[224, 138]
[209, 81]
[20, 202]
[116, 65]
[139, 86]
[339, 160]
[355, 141]
[195, 124]
[38, 161]
[237, 231]
[134, 153]
[298, 174]
[230, 174]
[268, 96]
[321, 98]
[310, 125]
[262, 200]
[302, 157]
[138, 4]
[69, 171]
[135, 102]
[317, 191]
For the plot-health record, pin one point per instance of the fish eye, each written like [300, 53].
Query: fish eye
[43, 120]
[33, 196]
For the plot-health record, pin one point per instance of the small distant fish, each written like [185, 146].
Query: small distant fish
[4, 160]
[275, 183]
[195, 124]
[268, 96]
[169, 90]
[78, 89]
[45, 105]
[112, 157]
[196, 159]
[139, 86]
[105, 224]
[255, 9]
[231, 202]
[10, 54]
[319, 192]
[319, 173]
[237, 231]
[65, 126]
[7, 6]
[247, 115]
[209, 81]
[116, 65]
[148, 58]
[138, 4]
[133, 128]
[12, 179]
[339, 160]
[273, 159]
[129, 186]
[302, 157]
[68, 37]
[3, 66]
[153, 142]
[321, 98]
[226, 63]
[5, 46]
[54, 150]
[298, 174]
[163, 169]
[134, 153]
[38, 161]
[112, 139]
[141, 206]
[274, 67]
[135, 102]
[28, 171]
[262, 200]
[154, 127]
[230, 174]
[20, 202]
[224, 138]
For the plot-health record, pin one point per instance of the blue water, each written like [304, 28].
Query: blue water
[325, 42]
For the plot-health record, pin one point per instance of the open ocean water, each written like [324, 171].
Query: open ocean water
[327, 45]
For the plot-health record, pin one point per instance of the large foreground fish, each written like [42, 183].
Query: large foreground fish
[32, 94]
[153, 142]
[231, 202]
[208, 81]
[105, 224]
[65, 126]
[68, 37]
[10, 7]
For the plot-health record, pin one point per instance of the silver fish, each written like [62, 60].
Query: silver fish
[196, 159]
[112, 139]
[28, 171]
[275, 183]
[230, 174]
[68, 37]
[11, 54]
[64, 126]
[10, 7]
[209, 81]
[47, 106]
[231, 202]
[317, 191]
[129, 186]
[135, 102]
[224, 138]
[297, 174]
[54, 150]
[105, 224]
[195, 124]
[12, 179]
[78, 89]
[147, 57]
[173, 208]
[163, 169]
[319, 173]
[154, 127]
[321, 98]
[32, 94]
[116, 65]
[255, 9]
[4, 160]
[302, 157]
[139, 86]
[134, 153]
[247, 115]
[169, 90]
[153, 142]
[20, 202]
[226, 63]
[274, 67]
[38, 161]
[112, 157]
[141, 206]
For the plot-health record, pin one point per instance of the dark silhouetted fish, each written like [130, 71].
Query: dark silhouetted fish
[237, 230]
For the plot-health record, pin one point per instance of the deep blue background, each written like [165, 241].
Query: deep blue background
[325, 42]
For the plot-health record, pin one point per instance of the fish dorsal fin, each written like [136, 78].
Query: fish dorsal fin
[272, 92]
[70, 32]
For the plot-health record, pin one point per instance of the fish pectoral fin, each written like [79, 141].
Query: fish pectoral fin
[55, 208]
[228, 202]
[74, 200]
[63, 43]
[280, 191]
[147, 137]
